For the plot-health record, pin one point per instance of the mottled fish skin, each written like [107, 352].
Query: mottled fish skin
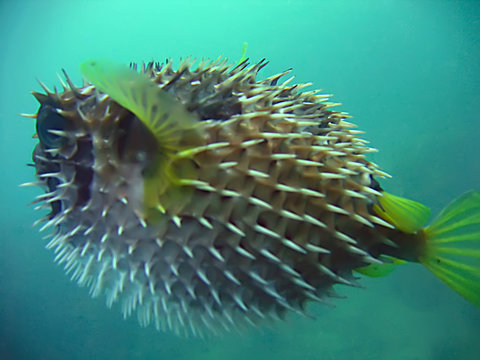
[274, 210]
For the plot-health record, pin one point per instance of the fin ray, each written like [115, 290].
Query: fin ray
[459, 238]
[466, 252]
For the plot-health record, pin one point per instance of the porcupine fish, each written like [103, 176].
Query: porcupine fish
[202, 198]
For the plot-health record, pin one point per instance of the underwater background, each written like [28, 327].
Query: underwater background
[407, 71]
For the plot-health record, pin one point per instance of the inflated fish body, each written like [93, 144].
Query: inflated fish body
[203, 198]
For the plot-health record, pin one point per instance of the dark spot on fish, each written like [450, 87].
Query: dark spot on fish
[135, 143]
[56, 206]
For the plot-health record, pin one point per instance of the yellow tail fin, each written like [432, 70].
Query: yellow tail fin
[453, 246]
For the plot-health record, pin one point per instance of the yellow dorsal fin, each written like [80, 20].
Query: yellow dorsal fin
[406, 215]
[244, 53]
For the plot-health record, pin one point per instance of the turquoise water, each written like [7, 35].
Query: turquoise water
[408, 71]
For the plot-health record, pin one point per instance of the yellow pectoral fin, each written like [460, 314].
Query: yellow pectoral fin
[165, 116]
[406, 215]
[174, 128]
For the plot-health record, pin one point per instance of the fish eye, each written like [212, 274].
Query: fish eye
[49, 119]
